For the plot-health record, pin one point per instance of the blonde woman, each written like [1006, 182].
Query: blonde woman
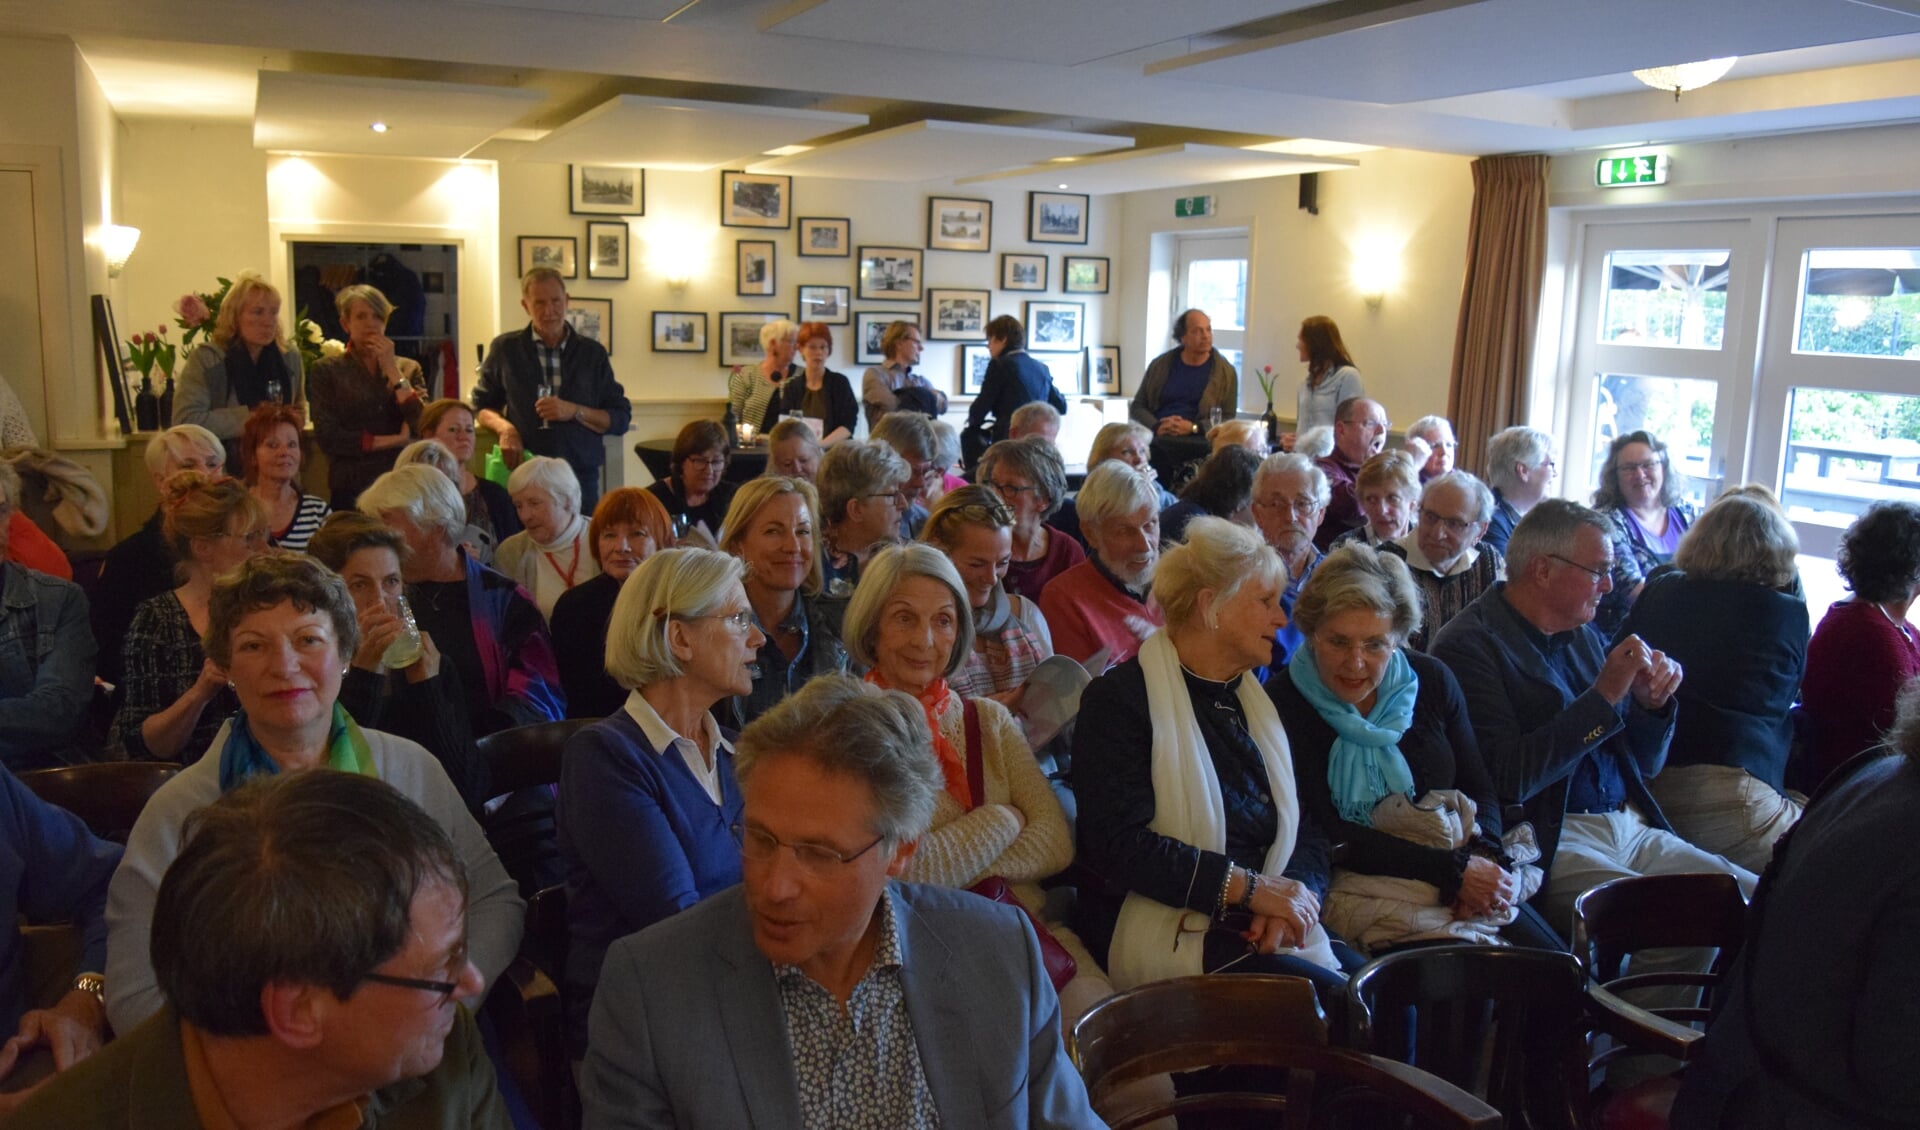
[246, 360]
[1010, 637]
[773, 527]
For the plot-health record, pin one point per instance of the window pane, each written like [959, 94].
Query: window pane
[1679, 413]
[1219, 287]
[1846, 450]
[1233, 358]
[1860, 301]
[1671, 298]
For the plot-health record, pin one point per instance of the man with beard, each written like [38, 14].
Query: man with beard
[1101, 603]
[1359, 433]
[1290, 495]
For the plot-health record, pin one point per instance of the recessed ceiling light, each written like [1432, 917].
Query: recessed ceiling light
[1063, 186]
[378, 127]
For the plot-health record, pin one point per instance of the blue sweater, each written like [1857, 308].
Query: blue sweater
[51, 870]
[641, 839]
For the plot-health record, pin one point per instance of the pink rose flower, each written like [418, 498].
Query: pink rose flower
[192, 309]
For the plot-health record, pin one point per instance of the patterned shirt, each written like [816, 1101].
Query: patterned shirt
[163, 659]
[858, 1067]
[549, 356]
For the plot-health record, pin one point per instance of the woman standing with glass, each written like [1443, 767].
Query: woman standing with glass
[366, 401]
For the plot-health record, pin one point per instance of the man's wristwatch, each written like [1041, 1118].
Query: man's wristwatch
[93, 984]
[578, 413]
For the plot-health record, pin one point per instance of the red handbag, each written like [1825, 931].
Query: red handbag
[1060, 964]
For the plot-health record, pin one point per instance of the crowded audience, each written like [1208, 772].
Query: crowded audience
[489, 506]
[270, 460]
[1359, 433]
[1010, 637]
[1443, 550]
[863, 499]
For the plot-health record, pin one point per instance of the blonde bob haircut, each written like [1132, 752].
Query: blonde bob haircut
[745, 507]
[246, 287]
[883, 574]
[673, 584]
[776, 330]
[423, 494]
[379, 303]
[182, 442]
[1108, 438]
[555, 476]
[1217, 554]
[1359, 576]
[1742, 537]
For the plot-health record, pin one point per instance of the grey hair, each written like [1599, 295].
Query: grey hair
[1314, 443]
[431, 453]
[1114, 490]
[775, 330]
[883, 574]
[1109, 437]
[1741, 537]
[848, 728]
[1034, 457]
[854, 468]
[1548, 529]
[946, 445]
[1356, 575]
[1429, 427]
[1518, 446]
[361, 292]
[1294, 463]
[909, 433]
[555, 476]
[1032, 413]
[172, 442]
[421, 493]
[1466, 483]
[671, 584]
[1217, 554]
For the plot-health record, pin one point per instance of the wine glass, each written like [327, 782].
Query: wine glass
[542, 391]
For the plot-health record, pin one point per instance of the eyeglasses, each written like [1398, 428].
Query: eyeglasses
[1598, 575]
[739, 621]
[1636, 468]
[899, 497]
[711, 461]
[1454, 526]
[1299, 505]
[446, 989]
[1009, 490]
[758, 846]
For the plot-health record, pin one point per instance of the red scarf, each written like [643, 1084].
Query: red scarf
[937, 700]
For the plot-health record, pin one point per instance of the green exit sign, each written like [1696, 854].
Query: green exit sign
[1188, 206]
[1630, 170]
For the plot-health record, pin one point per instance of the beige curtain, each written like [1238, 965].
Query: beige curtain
[1500, 303]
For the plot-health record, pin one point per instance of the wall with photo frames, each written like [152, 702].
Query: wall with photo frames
[681, 235]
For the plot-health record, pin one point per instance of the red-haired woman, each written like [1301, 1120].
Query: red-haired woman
[270, 461]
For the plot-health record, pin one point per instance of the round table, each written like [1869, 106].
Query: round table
[744, 463]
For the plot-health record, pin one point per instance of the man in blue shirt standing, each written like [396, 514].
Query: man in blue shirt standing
[1013, 379]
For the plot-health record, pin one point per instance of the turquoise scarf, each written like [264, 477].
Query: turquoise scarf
[1365, 763]
[242, 757]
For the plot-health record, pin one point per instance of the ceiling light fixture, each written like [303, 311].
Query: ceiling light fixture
[1063, 185]
[378, 127]
[1686, 76]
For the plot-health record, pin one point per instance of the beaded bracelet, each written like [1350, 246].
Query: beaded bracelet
[1220, 899]
[1246, 896]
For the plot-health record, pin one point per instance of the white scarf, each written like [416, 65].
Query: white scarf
[1187, 807]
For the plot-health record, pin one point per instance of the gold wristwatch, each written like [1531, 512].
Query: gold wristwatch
[94, 984]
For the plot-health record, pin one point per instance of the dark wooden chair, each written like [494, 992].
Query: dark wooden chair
[523, 765]
[106, 795]
[529, 1014]
[1617, 919]
[1250, 1021]
[1510, 1025]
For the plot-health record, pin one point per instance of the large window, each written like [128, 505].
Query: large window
[1860, 302]
[1213, 277]
[1670, 298]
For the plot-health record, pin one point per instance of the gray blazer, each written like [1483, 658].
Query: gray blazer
[686, 1029]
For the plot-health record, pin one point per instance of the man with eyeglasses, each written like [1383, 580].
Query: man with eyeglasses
[1570, 729]
[1359, 433]
[1443, 551]
[1290, 495]
[311, 940]
[822, 992]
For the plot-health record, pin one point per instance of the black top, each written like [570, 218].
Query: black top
[1113, 781]
[1013, 379]
[511, 374]
[430, 713]
[580, 617]
[843, 409]
[712, 512]
[139, 568]
[1441, 752]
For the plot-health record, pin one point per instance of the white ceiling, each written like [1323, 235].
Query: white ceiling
[337, 113]
[1164, 166]
[936, 150]
[681, 133]
[1486, 76]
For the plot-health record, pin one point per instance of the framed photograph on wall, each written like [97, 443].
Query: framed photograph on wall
[607, 190]
[1069, 371]
[825, 238]
[740, 337]
[592, 317]
[955, 223]
[607, 245]
[748, 200]
[1084, 274]
[1103, 370]
[561, 252]
[957, 315]
[679, 331]
[1057, 217]
[1022, 272]
[831, 305]
[753, 268]
[869, 326]
[891, 274]
[1056, 327]
[973, 368]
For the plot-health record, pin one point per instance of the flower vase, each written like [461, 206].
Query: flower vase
[146, 406]
[166, 404]
[1272, 423]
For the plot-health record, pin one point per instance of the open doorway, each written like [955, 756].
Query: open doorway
[422, 280]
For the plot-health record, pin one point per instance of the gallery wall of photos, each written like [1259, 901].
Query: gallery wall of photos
[676, 271]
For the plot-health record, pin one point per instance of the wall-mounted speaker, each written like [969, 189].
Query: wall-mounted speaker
[1310, 193]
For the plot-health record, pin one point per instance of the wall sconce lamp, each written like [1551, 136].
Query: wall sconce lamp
[118, 242]
[1376, 270]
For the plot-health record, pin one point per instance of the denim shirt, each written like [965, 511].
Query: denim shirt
[817, 620]
[46, 666]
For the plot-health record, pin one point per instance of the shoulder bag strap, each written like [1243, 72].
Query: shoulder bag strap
[976, 769]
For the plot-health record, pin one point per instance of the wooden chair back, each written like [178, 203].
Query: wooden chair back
[523, 766]
[106, 795]
[1619, 918]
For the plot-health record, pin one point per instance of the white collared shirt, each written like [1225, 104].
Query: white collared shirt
[1418, 560]
[662, 738]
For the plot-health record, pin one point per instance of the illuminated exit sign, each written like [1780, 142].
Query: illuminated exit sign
[1631, 170]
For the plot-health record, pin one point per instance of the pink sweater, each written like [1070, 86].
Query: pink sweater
[1086, 612]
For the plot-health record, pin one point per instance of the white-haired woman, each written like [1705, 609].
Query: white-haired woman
[247, 359]
[492, 637]
[647, 795]
[1010, 637]
[772, 528]
[366, 401]
[752, 387]
[1384, 752]
[551, 553]
[1188, 804]
[1131, 444]
[1731, 613]
[863, 496]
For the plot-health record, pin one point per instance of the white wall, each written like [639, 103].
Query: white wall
[1409, 209]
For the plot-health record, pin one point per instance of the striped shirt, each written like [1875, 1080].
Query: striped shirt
[306, 518]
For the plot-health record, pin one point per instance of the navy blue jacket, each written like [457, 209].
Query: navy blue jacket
[1013, 379]
[510, 376]
[51, 870]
